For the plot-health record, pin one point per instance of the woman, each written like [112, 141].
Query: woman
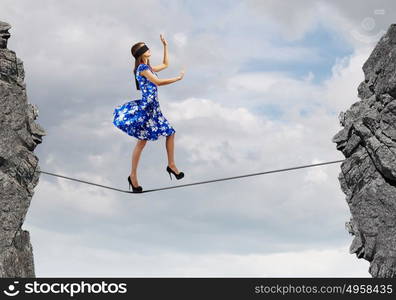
[142, 118]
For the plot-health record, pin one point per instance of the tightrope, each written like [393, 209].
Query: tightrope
[190, 184]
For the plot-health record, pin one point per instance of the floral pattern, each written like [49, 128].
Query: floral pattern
[142, 118]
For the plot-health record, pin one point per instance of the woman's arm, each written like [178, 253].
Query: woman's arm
[157, 81]
[165, 59]
[165, 62]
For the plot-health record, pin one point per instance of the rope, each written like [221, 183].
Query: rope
[194, 183]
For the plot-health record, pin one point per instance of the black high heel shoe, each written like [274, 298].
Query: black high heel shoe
[178, 176]
[138, 189]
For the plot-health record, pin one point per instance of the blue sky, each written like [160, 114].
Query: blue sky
[264, 83]
[327, 46]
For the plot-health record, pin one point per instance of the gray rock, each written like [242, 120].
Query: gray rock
[19, 136]
[368, 174]
[4, 34]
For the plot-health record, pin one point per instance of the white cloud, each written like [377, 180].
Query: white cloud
[295, 18]
[258, 82]
[340, 91]
[74, 258]
[74, 197]
[318, 174]
[360, 23]
[180, 39]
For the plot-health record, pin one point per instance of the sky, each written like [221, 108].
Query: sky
[264, 84]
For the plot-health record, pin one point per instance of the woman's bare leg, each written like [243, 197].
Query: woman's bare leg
[135, 160]
[170, 149]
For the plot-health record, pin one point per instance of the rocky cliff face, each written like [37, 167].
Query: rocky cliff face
[368, 175]
[19, 135]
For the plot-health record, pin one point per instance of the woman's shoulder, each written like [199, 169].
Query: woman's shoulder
[143, 67]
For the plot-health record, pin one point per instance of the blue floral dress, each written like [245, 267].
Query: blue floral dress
[142, 118]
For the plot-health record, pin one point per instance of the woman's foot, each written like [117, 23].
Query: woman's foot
[173, 167]
[135, 189]
[174, 171]
[134, 180]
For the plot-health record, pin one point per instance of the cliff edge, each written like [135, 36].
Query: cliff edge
[368, 174]
[19, 135]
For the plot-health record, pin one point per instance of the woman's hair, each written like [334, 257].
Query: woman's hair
[138, 60]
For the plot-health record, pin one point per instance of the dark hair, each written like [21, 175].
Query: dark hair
[138, 60]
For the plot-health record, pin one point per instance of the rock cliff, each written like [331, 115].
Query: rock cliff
[368, 174]
[19, 135]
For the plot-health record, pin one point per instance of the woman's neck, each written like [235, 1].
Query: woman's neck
[144, 60]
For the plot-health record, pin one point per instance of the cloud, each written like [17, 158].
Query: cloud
[360, 23]
[180, 39]
[215, 141]
[74, 258]
[72, 198]
[347, 74]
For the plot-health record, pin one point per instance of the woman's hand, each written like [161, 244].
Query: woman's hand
[164, 42]
[181, 75]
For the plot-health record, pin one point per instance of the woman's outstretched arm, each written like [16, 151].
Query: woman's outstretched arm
[157, 81]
